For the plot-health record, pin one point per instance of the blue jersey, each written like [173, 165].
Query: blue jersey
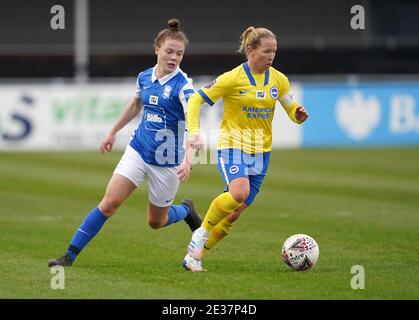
[160, 135]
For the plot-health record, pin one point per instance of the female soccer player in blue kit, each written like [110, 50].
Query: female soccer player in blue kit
[155, 150]
[250, 92]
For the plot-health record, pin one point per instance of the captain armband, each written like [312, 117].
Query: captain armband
[287, 99]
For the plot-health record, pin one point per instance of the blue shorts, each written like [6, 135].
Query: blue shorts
[234, 163]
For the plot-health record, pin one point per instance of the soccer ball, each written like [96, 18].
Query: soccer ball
[300, 252]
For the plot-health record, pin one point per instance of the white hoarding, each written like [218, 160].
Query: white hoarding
[76, 117]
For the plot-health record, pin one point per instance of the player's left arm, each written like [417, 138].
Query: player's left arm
[301, 114]
[295, 111]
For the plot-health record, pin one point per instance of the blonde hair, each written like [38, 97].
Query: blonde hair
[251, 37]
[172, 31]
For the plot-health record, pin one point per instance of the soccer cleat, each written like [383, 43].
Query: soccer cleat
[196, 246]
[64, 261]
[192, 219]
[192, 264]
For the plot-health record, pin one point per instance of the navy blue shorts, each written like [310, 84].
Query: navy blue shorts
[234, 163]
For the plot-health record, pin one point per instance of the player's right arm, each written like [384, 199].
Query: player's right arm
[131, 110]
[194, 141]
[209, 94]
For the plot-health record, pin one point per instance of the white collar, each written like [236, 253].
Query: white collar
[164, 79]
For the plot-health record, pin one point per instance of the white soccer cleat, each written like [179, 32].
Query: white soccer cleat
[192, 264]
[196, 246]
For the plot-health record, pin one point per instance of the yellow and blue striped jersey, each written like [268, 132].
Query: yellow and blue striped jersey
[249, 105]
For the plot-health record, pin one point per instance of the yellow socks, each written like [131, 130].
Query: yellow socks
[217, 234]
[220, 208]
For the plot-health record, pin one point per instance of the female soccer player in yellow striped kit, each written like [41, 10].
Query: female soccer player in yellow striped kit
[250, 92]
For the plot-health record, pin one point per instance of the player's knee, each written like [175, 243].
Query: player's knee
[240, 195]
[155, 224]
[109, 206]
[239, 189]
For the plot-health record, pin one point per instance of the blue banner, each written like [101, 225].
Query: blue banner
[373, 114]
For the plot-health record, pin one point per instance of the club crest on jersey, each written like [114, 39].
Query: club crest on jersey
[274, 92]
[166, 92]
[234, 169]
[154, 100]
[260, 94]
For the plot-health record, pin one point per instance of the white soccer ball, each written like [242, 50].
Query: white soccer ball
[300, 252]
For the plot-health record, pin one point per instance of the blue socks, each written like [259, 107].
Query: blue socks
[87, 230]
[177, 213]
[95, 220]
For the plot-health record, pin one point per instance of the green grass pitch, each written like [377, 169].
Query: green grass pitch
[361, 205]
